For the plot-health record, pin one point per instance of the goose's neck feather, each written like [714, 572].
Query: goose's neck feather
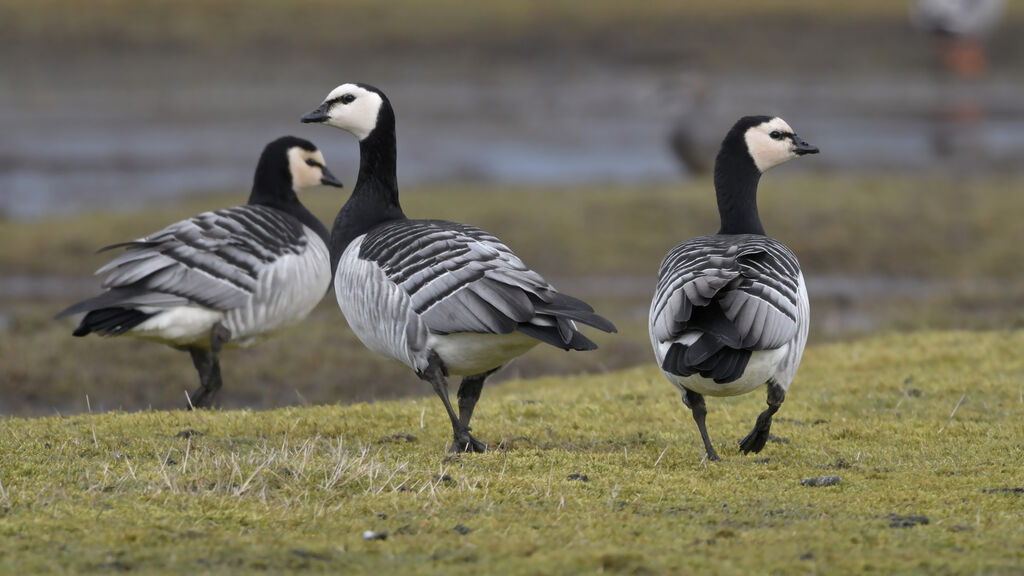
[736, 179]
[375, 197]
[285, 199]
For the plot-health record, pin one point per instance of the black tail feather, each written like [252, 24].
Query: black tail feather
[110, 321]
[723, 366]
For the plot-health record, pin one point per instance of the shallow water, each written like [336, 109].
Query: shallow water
[124, 131]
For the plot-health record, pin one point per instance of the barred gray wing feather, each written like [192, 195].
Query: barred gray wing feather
[462, 279]
[752, 279]
[213, 259]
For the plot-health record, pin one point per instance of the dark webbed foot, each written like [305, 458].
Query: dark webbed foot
[695, 402]
[465, 442]
[758, 436]
[201, 398]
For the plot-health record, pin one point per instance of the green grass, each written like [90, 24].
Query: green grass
[836, 224]
[609, 242]
[915, 424]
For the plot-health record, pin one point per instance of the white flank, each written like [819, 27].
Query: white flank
[178, 326]
[466, 354]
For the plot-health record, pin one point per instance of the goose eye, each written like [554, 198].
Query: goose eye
[776, 135]
[348, 99]
[311, 162]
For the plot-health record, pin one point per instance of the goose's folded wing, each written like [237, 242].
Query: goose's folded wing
[213, 259]
[740, 289]
[459, 278]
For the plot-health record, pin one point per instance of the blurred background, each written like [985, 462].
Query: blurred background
[581, 133]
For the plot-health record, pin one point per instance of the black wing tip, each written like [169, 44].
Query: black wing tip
[110, 321]
[603, 324]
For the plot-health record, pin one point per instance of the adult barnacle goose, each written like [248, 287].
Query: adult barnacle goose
[440, 297]
[222, 278]
[730, 311]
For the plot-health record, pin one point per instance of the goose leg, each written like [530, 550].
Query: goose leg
[755, 441]
[469, 393]
[207, 363]
[435, 374]
[695, 402]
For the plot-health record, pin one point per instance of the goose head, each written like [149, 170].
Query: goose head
[291, 163]
[768, 140]
[355, 108]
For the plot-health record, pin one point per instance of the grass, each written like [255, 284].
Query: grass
[925, 424]
[837, 224]
[610, 241]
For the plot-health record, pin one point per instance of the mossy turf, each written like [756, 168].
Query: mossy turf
[586, 474]
[836, 224]
[602, 244]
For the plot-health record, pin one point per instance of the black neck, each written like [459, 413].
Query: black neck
[375, 197]
[736, 178]
[276, 192]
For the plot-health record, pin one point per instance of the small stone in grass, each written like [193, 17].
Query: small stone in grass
[580, 477]
[1002, 490]
[371, 535]
[188, 433]
[900, 521]
[462, 529]
[821, 481]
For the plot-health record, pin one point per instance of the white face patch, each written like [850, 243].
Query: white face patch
[304, 175]
[354, 109]
[766, 151]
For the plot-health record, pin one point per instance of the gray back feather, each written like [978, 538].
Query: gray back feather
[753, 279]
[458, 277]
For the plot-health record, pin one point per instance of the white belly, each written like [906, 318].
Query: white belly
[467, 354]
[178, 326]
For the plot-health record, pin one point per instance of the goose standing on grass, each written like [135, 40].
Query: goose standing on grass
[440, 297]
[730, 311]
[222, 278]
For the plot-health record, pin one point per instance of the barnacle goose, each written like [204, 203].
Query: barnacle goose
[730, 310]
[222, 278]
[440, 297]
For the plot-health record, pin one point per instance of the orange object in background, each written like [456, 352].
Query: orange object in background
[964, 56]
